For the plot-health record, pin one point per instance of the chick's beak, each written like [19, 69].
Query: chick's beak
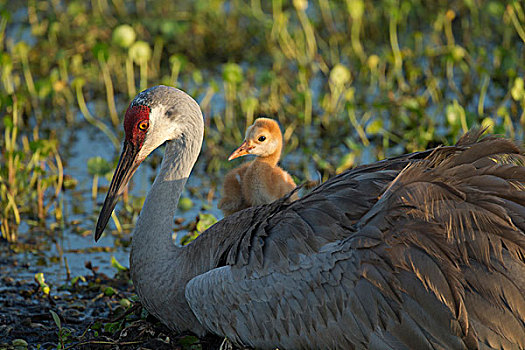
[127, 165]
[243, 150]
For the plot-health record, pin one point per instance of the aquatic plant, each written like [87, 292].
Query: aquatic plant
[31, 175]
[349, 81]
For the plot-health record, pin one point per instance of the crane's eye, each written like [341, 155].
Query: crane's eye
[143, 125]
[262, 138]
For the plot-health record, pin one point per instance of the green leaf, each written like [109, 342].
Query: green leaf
[340, 75]
[232, 73]
[21, 49]
[98, 166]
[373, 61]
[205, 221]
[453, 113]
[109, 291]
[19, 344]
[44, 88]
[56, 318]
[39, 278]
[346, 162]
[101, 51]
[76, 8]
[178, 60]
[197, 77]
[46, 289]
[188, 340]
[172, 29]
[495, 9]
[43, 146]
[411, 103]
[117, 265]
[112, 327]
[96, 326]
[458, 53]
[78, 278]
[518, 90]
[70, 182]
[8, 122]
[124, 35]
[5, 60]
[374, 127]
[502, 111]
[78, 82]
[125, 303]
[6, 15]
[185, 204]
[190, 237]
[140, 52]
[489, 124]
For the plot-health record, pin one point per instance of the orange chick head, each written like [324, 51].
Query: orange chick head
[262, 139]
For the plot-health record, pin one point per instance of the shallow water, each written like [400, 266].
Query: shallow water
[70, 249]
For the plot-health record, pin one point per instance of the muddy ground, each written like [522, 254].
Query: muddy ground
[93, 312]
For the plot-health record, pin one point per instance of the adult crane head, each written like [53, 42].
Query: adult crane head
[155, 115]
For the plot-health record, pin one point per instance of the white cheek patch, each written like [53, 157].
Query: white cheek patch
[154, 117]
[160, 129]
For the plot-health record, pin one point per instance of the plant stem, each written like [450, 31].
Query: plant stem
[94, 187]
[109, 91]
[130, 75]
[85, 112]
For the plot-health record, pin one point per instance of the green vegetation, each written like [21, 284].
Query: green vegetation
[340, 76]
[31, 175]
[350, 81]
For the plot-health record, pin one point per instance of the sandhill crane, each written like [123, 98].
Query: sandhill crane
[261, 181]
[422, 251]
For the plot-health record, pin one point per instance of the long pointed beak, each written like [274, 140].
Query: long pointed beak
[127, 165]
[243, 150]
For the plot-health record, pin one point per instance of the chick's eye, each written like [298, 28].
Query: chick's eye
[143, 125]
[262, 138]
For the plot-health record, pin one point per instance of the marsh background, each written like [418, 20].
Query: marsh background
[350, 82]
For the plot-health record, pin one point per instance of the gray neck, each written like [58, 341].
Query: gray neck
[154, 256]
[154, 226]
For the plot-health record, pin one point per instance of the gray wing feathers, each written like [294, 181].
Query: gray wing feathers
[272, 309]
[474, 217]
[423, 252]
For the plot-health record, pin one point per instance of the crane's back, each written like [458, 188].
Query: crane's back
[405, 253]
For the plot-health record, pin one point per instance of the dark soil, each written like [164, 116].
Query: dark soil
[94, 313]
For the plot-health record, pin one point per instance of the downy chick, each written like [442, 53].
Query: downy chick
[260, 181]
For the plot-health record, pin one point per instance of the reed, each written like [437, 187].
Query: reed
[350, 81]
